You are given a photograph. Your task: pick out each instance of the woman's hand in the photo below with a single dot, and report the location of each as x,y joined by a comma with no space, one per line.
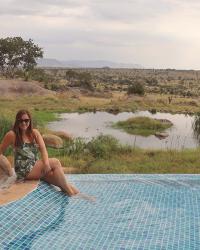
46,170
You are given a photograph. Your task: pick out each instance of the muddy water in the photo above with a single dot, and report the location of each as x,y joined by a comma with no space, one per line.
88,125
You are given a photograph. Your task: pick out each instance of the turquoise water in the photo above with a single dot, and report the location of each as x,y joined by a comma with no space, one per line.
131,212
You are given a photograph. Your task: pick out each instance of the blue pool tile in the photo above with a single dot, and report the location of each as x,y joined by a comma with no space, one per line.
131,212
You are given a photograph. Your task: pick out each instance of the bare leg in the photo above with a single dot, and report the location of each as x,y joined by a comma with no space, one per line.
55,176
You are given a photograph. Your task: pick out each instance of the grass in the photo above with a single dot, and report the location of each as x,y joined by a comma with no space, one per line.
144,126
105,155
70,103
41,118
111,157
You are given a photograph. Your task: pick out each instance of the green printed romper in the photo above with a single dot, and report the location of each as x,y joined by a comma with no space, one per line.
25,157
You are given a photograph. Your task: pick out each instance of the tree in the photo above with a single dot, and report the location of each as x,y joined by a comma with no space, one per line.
136,88
31,52
85,79
71,74
16,53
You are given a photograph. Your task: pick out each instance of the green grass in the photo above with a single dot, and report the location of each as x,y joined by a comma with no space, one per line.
144,126
68,103
105,155
41,118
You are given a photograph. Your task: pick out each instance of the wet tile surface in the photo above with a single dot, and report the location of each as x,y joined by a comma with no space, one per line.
131,212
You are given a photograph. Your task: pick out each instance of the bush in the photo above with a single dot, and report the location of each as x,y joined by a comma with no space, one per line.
75,147
71,74
40,75
103,146
136,88
85,81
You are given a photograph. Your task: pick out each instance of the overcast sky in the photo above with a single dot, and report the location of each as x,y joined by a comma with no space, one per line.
152,33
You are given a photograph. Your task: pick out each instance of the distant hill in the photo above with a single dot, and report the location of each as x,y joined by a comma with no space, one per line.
48,62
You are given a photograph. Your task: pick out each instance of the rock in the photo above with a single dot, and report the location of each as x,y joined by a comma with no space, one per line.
16,87
62,135
53,141
161,135
113,110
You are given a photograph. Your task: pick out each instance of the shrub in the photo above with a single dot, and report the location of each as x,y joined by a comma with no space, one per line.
40,75
74,147
103,146
136,88
85,81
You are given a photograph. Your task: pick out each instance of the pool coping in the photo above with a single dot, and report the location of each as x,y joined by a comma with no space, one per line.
17,191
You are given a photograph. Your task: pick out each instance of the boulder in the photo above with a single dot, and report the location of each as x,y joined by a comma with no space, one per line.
53,141
161,135
62,135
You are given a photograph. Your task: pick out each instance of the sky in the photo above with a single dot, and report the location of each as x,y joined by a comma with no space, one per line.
152,33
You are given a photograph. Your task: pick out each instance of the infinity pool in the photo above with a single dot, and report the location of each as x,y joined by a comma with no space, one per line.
131,212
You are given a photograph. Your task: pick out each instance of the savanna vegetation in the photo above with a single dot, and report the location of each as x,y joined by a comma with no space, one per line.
112,90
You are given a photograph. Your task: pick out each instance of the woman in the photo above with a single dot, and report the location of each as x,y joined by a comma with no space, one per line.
25,141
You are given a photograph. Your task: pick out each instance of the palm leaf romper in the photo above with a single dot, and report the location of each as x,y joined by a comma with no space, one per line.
25,157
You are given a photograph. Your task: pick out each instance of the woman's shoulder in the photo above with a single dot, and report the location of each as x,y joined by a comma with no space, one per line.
36,132
10,135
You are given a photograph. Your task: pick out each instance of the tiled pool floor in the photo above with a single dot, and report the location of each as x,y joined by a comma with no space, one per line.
131,212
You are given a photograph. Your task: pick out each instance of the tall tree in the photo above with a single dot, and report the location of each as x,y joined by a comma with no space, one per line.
16,53
30,53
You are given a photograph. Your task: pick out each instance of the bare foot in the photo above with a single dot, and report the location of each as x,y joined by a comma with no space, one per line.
85,197
70,192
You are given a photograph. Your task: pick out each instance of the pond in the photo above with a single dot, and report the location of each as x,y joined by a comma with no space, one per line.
87,125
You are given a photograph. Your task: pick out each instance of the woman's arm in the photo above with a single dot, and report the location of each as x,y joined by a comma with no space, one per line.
43,150
8,140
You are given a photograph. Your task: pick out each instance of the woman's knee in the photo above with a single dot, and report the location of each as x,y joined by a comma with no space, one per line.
54,163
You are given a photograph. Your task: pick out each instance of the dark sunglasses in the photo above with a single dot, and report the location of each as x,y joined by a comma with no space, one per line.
24,120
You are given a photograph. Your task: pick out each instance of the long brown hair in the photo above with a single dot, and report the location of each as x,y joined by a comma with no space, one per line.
17,130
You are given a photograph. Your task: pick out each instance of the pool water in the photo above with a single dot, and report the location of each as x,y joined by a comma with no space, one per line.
132,211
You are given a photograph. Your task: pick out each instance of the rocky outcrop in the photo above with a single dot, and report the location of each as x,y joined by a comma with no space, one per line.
53,141
19,88
62,135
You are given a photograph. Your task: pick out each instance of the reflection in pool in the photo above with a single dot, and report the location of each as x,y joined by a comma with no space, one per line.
88,125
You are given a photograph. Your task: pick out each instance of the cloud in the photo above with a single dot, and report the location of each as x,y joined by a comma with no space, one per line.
161,33
35,8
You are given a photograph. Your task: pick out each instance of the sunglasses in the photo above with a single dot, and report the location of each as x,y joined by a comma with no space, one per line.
24,120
